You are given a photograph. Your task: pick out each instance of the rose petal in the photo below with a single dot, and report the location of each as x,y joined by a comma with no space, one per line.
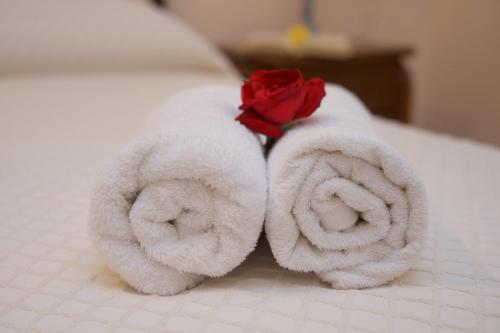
276,95
315,93
246,92
280,77
253,122
257,75
280,108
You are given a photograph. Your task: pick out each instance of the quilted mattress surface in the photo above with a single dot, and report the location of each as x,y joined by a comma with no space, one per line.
56,133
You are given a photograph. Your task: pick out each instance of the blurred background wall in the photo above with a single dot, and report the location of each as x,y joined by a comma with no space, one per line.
455,70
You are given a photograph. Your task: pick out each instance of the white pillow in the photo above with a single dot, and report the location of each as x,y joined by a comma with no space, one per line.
96,35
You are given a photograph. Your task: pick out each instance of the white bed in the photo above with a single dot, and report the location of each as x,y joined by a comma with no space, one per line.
57,128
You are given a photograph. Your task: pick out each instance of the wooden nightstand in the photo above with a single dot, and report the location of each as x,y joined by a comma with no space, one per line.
376,74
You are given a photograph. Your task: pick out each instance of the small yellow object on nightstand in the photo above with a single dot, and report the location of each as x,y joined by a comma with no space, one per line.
299,40
298,34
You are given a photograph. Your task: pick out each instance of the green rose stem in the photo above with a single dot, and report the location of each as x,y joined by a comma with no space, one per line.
271,141
269,145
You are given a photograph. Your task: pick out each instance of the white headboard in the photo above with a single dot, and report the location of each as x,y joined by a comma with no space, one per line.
96,35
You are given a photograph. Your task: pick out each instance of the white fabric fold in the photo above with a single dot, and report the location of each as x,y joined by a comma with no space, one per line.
342,203
186,201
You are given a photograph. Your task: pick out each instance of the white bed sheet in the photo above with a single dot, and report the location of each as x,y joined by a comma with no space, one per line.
55,134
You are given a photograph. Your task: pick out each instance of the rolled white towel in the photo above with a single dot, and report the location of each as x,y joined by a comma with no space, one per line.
185,202
342,203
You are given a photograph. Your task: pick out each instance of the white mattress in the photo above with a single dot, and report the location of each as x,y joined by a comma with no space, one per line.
55,134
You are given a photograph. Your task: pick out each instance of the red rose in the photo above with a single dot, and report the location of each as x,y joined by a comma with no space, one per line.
272,99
